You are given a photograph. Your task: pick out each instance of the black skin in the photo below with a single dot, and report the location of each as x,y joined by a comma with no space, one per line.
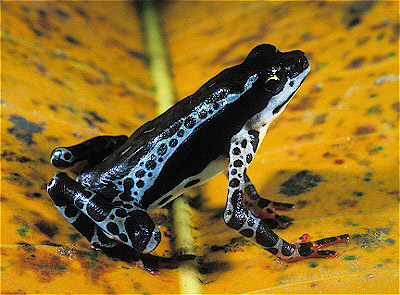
206,145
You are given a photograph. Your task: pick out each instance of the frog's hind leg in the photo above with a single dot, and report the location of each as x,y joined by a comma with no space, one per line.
264,208
92,151
95,235
133,228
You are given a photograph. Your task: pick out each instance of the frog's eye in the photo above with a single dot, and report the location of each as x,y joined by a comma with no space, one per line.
272,84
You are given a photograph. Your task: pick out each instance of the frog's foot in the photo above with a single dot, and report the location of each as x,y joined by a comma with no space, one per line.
304,248
265,210
87,153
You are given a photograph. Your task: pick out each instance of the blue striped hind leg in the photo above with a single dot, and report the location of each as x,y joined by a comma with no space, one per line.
94,234
133,228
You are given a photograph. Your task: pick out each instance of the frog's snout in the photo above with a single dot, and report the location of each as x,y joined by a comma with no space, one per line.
302,61
305,61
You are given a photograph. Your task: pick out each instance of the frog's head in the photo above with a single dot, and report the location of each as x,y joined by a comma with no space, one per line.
276,76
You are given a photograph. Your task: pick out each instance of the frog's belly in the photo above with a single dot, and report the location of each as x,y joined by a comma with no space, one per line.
211,170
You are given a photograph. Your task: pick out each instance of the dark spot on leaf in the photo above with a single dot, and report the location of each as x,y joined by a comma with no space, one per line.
354,11
34,195
23,129
62,13
72,40
300,183
140,56
96,117
356,63
48,229
365,129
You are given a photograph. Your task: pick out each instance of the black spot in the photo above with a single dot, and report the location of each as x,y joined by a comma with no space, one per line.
67,156
215,106
79,203
304,250
250,221
127,206
189,122
236,151
265,237
238,163
165,200
249,158
126,194
234,183
140,173
112,228
244,143
120,213
160,159
48,229
117,203
162,149
151,164
70,211
149,174
123,237
233,171
247,232
254,135
173,142
192,182
172,130
140,183
202,114
180,133
291,83
112,216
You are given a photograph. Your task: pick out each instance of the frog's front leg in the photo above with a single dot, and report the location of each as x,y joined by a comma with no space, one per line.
132,227
93,150
236,216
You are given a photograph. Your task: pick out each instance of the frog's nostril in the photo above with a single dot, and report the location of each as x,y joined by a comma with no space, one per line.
305,61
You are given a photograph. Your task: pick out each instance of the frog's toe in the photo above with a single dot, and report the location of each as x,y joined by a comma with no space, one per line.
281,206
326,242
305,249
279,222
62,158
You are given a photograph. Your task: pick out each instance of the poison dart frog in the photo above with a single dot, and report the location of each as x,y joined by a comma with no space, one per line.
218,128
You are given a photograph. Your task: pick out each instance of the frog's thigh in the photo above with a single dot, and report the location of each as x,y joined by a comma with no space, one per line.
134,228
236,215
93,150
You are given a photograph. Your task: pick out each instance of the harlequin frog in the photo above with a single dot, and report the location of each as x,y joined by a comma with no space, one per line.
219,127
